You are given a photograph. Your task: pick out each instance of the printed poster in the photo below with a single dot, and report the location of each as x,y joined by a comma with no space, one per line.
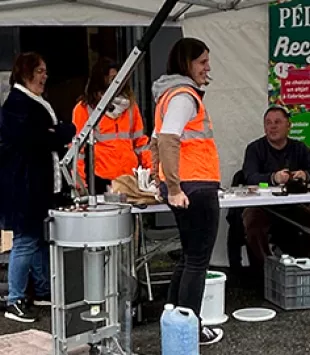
289,62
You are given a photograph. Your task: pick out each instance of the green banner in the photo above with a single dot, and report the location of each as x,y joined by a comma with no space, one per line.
289,62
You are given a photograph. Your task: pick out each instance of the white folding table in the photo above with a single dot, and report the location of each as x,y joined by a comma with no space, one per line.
230,201
227,200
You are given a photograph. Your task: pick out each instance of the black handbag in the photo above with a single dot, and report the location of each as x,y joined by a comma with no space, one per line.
296,186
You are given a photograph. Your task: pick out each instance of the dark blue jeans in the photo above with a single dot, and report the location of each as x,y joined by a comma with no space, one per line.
29,256
198,226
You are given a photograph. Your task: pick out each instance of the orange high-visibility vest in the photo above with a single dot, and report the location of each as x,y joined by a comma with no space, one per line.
199,160
121,144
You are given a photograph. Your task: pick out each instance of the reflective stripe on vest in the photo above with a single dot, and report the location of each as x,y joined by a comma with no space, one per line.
102,137
142,149
137,134
206,132
199,159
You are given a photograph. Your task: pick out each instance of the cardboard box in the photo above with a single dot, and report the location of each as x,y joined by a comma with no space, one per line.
6,241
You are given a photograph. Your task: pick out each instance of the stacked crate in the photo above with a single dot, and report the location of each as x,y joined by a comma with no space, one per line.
287,284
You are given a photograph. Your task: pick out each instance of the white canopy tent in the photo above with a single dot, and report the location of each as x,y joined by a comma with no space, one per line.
108,12
236,32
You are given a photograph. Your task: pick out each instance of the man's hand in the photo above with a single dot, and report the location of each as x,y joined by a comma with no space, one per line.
299,174
179,201
282,176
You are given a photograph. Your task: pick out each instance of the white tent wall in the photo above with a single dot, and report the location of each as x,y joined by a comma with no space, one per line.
105,12
237,97
69,14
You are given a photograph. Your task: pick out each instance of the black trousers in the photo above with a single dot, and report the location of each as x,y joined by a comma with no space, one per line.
198,226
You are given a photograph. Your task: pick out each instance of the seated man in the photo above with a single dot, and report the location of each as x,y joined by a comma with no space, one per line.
272,159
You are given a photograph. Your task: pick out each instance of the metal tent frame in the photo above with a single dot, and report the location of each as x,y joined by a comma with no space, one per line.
186,8
69,162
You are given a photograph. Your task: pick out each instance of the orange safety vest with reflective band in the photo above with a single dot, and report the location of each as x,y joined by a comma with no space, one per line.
199,160
121,144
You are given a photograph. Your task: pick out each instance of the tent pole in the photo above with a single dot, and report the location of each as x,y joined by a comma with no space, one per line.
121,78
252,3
207,3
181,12
156,24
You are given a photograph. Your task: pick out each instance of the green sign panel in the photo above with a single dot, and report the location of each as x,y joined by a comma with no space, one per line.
289,62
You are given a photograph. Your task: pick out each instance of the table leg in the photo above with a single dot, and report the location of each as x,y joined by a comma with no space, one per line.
144,252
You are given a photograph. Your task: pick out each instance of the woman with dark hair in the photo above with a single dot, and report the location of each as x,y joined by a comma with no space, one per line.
121,144
186,165
31,138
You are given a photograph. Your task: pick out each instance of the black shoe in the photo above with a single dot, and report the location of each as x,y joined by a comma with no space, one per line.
19,312
210,336
42,301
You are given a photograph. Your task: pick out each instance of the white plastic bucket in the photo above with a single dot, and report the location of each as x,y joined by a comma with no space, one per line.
213,302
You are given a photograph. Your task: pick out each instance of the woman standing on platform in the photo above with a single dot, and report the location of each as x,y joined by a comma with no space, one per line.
186,164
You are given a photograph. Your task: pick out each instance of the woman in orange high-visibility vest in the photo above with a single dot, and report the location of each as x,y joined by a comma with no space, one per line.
121,144
186,165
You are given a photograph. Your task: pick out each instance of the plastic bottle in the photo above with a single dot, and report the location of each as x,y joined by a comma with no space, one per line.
286,259
165,324
179,331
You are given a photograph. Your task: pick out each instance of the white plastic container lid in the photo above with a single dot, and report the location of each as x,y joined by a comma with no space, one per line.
265,191
169,307
254,314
